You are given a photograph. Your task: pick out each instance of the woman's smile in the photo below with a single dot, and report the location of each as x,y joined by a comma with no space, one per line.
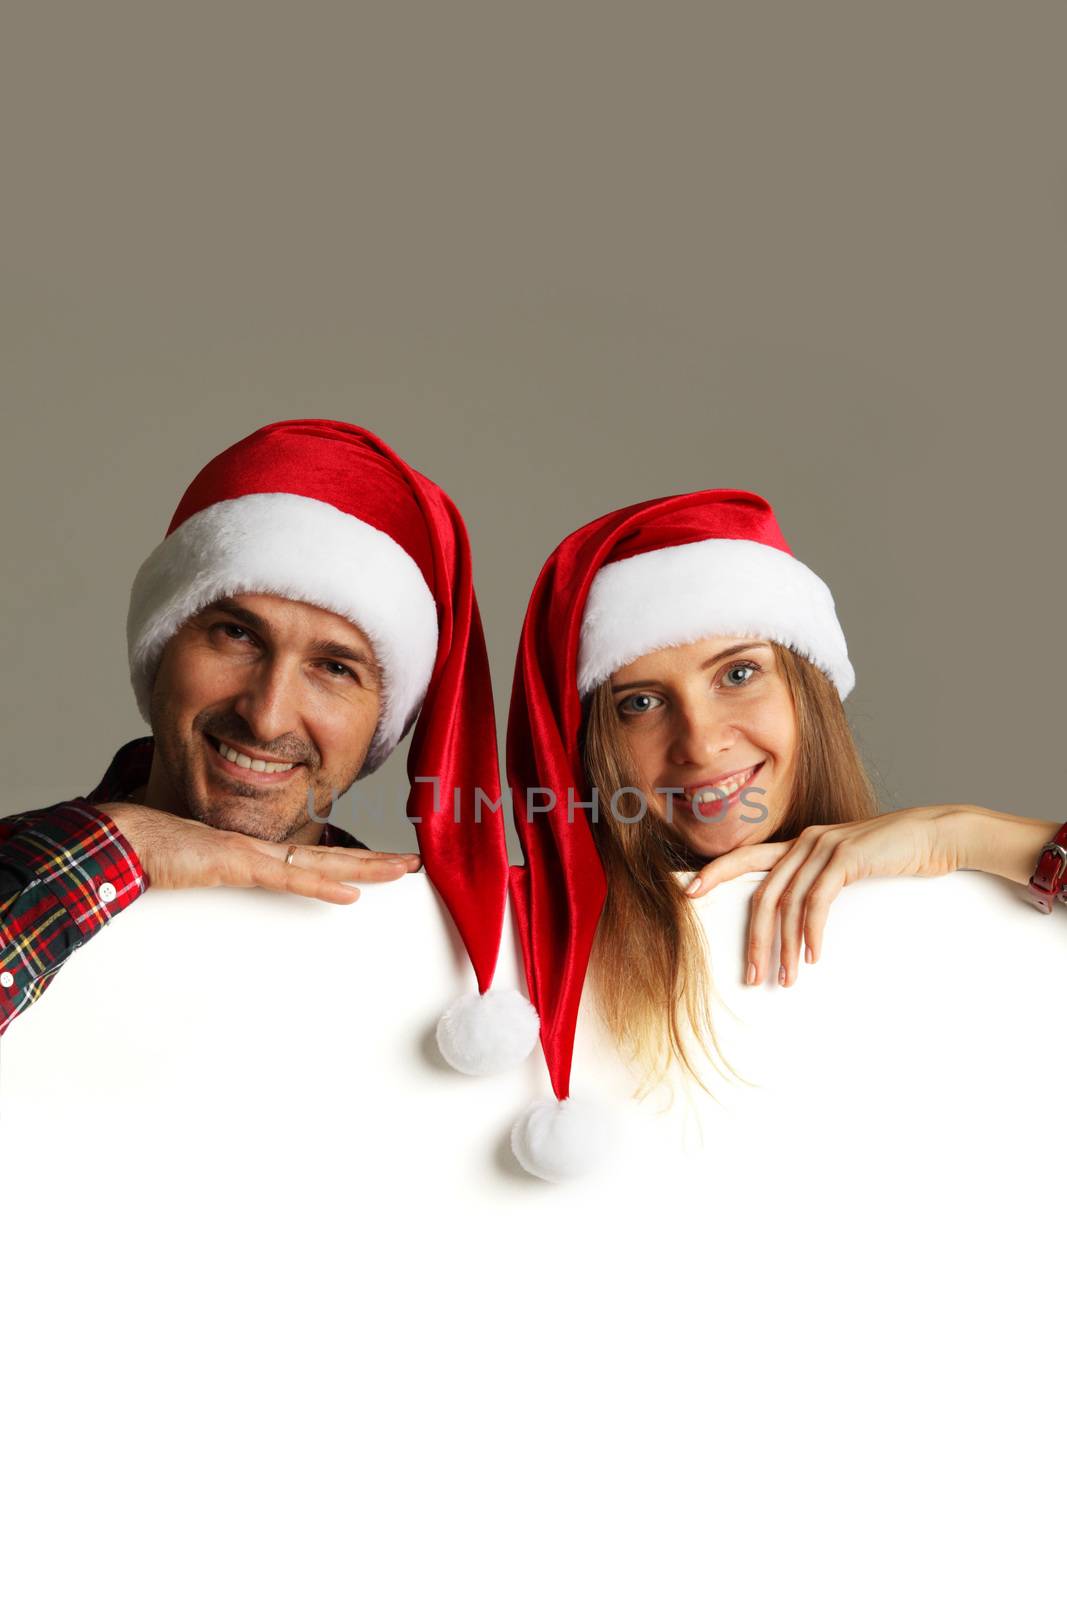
710,799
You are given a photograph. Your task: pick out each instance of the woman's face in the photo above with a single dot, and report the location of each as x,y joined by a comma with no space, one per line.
715,715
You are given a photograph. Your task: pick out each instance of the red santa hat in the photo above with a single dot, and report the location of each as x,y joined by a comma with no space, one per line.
663,572
326,513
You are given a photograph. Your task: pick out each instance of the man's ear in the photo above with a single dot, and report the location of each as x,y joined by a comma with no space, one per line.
153,702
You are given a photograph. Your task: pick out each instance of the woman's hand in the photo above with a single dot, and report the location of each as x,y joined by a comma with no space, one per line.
808,873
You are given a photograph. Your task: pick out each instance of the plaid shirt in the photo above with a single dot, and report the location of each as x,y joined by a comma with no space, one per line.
64,873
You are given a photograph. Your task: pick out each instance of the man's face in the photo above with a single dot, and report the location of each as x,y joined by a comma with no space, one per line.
273,679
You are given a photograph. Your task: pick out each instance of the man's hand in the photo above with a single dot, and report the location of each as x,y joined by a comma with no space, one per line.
177,853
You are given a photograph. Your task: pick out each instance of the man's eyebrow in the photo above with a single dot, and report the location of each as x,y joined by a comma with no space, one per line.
323,647
734,650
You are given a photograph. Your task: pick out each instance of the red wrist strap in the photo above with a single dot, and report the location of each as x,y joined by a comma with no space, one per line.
1049,881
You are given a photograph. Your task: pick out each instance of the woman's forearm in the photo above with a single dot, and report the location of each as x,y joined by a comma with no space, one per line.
996,841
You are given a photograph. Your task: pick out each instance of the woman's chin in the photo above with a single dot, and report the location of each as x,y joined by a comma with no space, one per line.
702,840
717,838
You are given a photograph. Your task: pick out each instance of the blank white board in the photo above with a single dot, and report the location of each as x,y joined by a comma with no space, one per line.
282,1317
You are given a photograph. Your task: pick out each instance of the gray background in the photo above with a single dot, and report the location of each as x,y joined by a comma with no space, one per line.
562,258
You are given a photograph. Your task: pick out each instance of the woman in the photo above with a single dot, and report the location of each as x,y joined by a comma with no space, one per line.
679,691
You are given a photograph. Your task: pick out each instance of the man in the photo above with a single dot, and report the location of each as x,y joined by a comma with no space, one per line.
310,603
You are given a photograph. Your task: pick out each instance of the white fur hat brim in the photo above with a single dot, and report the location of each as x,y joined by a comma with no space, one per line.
300,549
687,592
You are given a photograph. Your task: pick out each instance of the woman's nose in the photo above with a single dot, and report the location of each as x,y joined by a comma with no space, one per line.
698,736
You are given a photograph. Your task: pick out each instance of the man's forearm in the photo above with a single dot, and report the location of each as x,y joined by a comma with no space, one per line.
64,873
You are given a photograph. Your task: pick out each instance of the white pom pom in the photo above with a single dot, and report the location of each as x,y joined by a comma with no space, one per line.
556,1139
483,1033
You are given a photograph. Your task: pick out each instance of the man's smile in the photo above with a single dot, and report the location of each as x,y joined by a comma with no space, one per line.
233,763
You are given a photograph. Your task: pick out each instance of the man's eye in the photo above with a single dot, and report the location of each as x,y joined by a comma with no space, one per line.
345,670
234,627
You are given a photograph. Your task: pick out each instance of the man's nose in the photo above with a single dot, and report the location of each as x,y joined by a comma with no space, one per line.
269,701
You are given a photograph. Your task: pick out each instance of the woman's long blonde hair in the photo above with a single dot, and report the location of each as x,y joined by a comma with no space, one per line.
649,962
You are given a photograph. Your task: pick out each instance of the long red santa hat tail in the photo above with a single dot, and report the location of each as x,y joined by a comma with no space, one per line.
662,572
327,513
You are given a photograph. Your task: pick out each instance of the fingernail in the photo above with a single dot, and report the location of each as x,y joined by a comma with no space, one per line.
693,887
781,974
750,976
808,955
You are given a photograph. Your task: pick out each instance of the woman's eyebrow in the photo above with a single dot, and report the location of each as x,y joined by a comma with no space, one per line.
733,650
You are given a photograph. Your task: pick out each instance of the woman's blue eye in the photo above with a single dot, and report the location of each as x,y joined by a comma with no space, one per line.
629,700
631,706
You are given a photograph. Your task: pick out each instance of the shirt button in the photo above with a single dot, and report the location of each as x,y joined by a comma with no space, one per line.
6,979
107,892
